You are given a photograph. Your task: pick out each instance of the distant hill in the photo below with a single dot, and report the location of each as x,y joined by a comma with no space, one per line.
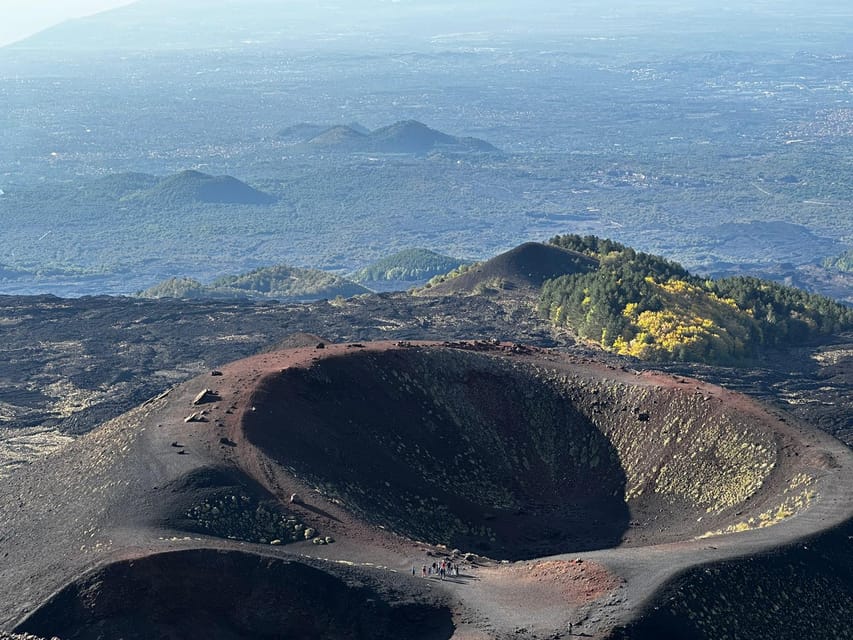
278,282
341,138
406,136
410,265
300,132
525,268
193,187
411,136
305,131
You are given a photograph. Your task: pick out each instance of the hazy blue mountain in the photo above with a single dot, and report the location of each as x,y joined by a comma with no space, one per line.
411,136
191,187
341,138
406,136
373,24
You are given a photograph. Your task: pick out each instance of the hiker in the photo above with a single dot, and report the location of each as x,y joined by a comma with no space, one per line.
423,571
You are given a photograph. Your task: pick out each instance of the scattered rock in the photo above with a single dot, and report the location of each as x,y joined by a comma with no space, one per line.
227,442
204,396
215,373
195,417
309,533
295,498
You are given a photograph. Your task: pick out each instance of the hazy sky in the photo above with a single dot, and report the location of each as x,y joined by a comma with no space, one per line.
20,18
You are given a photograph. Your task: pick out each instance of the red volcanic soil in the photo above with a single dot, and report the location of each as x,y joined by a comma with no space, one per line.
400,456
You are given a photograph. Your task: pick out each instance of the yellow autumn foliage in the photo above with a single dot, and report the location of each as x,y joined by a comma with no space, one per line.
692,321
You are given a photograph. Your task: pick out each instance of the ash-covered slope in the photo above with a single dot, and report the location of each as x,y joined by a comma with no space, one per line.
525,267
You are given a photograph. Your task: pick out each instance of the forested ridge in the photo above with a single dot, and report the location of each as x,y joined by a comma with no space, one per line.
408,264
279,282
646,306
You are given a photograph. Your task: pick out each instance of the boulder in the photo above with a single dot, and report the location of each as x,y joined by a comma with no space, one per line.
204,396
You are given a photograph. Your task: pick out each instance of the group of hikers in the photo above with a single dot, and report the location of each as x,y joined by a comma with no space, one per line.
444,569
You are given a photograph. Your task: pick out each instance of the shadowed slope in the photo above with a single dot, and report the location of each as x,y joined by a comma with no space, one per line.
525,267
449,448
230,595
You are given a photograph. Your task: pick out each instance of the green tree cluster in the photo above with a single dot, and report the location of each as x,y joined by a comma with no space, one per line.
408,264
644,305
842,262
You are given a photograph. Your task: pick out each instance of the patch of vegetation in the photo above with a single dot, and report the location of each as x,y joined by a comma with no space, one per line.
843,262
646,306
278,282
450,275
408,264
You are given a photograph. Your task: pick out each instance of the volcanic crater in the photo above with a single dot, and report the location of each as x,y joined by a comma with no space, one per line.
303,492
516,460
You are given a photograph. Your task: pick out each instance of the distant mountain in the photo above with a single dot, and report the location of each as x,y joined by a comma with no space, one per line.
385,24
279,282
304,131
406,136
193,187
525,267
409,265
333,24
411,136
341,138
